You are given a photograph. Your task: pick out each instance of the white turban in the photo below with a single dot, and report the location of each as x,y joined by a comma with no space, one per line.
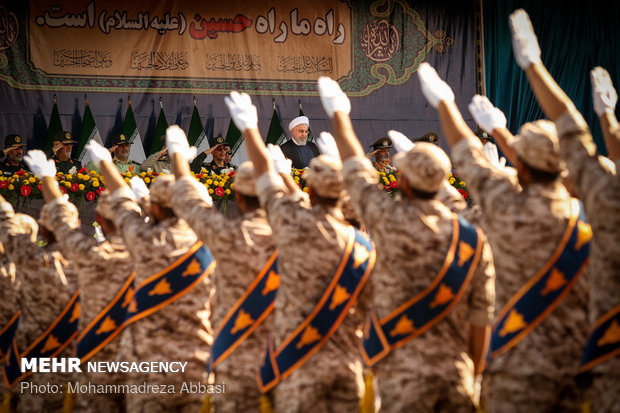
300,120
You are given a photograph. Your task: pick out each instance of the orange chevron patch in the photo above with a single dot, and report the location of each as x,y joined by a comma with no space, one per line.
310,335
242,321
584,234
611,335
193,268
360,255
556,280
444,295
273,282
50,344
75,315
465,252
133,306
340,296
514,323
162,288
128,297
403,326
107,326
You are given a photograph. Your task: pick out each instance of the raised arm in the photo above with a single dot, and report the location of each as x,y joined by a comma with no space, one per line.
604,99
102,159
46,170
283,167
492,120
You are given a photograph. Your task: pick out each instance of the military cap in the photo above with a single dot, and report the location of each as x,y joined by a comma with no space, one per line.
217,140
13,141
425,166
537,145
382,143
63,137
325,176
121,138
431,137
245,181
161,190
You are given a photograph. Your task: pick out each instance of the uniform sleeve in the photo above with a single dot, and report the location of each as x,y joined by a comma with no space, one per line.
62,218
370,201
17,245
482,296
150,162
187,203
196,164
129,222
280,207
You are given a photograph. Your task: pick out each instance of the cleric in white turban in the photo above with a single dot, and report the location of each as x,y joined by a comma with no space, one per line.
298,149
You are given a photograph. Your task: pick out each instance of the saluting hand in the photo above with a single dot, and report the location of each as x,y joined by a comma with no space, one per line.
176,142
524,40
327,145
39,164
604,96
332,97
400,141
242,110
433,88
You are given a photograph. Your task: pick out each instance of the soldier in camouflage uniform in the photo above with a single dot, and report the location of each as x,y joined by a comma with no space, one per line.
525,224
45,284
102,269
435,371
241,246
180,331
8,302
598,189
310,243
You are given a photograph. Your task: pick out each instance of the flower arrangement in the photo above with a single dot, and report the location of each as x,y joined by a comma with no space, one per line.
82,186
220,186
298,177
389,181
20,187
455,180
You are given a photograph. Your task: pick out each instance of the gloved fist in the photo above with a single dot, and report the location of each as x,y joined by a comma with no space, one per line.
332,97
401,142
98,153
486,115
524,40
282,165
604,96
327,145
139,188
39,164
433,88
242,110
176,141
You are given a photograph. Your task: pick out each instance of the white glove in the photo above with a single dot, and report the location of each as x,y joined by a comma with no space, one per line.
524,40
204,193
434,89
604,96
282,165
98,153
332,97
242,110
176,141
39,164
327,145
138,187
486,115
401,142
490,150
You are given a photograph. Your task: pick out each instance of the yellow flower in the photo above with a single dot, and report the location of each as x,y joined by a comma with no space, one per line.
462,183
81,186
306,189
387,182
67,185
11,187
69,176
142,174
210,190
227,191
215,183
232,185
126,179
95,183
86,177
451,180
32,180
25,182
209,181
296,179
392,179
147,180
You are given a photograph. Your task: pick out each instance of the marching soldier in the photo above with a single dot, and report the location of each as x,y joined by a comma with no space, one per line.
600,193
531,228
169,308
244,250
425,363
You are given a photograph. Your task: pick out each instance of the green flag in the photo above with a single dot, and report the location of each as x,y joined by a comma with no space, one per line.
160,131
234,137
53,128
130,129
196,133
89,131
276,134
301,113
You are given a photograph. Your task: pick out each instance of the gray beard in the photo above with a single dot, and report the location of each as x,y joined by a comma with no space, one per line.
300,142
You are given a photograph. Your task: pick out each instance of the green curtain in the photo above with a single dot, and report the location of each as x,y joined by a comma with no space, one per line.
573,36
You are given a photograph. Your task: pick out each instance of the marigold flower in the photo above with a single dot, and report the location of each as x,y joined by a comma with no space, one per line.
227,191
216,183
68,177
306,189
11,187
462,183
210,191
95,183
32,180
25,182
209,182
147,180
81,186
126,179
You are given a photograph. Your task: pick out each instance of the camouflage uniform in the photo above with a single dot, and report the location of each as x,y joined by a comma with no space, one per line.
310,243
180,331
102,269
600,194
524,227
42,295
432,372
241,248
8,300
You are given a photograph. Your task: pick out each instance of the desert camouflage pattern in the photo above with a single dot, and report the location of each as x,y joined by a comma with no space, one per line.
102,269
310,243
600,193
181,331
434,370
524,228
241,247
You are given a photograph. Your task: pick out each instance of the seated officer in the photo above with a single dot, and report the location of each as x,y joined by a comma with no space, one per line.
381,152
120,149
219,149
13,152
62,148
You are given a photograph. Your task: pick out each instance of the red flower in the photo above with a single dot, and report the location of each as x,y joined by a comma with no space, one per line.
394,184
4,184
464,193
81,171
199,176
75,187
99,190
63,190
40,187
20,173
90,195
219,191
232,173
26,190
387,188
